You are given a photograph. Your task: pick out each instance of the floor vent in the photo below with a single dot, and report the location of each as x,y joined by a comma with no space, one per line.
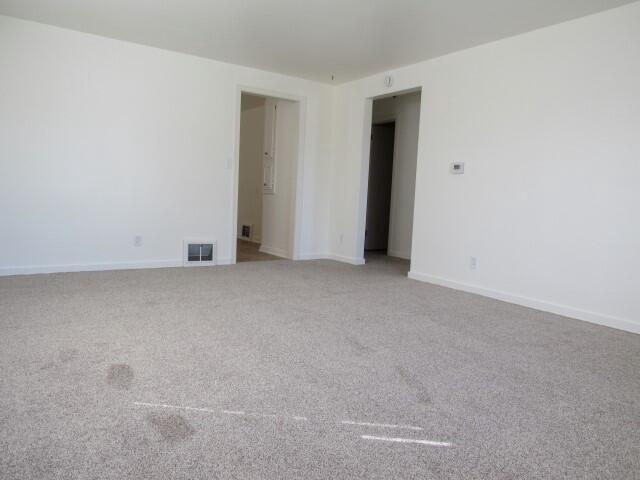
246,232
199,253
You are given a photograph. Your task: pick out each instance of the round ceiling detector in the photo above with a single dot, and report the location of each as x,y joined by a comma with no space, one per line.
388,81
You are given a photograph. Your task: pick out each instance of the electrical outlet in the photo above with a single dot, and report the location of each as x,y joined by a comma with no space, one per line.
473,263
137,241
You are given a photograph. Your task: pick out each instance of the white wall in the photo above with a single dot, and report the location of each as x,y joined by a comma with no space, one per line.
278,208
405,110
252,124
102,140
548,124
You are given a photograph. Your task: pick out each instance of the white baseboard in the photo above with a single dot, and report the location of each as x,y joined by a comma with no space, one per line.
311,256
564,310
345,259
330,256
88,267
97,267
403,255
278,252
251,240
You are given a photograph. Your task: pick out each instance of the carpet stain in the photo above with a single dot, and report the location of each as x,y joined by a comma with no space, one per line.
420,393
359,347
120,375
405,375
48,366
67,355
424,398
64,356
171,427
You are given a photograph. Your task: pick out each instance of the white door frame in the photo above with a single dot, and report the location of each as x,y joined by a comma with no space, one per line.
296,214
364,169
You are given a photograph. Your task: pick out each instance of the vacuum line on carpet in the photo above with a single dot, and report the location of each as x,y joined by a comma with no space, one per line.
431,443
380,425
296,418
164,405
226,412
263,415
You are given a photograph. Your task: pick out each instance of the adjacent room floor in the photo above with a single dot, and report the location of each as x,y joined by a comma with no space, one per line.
308,370
250,252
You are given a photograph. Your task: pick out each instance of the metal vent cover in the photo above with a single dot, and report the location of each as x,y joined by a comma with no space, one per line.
199,252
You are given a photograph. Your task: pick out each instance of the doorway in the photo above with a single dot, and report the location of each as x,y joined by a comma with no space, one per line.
376,236
390,195
268,152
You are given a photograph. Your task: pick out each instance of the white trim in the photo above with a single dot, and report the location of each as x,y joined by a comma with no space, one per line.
88,267
564,310
278,252
403,255
107,266
96,267
298,201
363,187
344,259
330,256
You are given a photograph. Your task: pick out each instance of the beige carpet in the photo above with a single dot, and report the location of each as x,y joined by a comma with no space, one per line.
304,370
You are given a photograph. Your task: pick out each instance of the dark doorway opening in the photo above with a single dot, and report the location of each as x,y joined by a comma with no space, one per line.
379,191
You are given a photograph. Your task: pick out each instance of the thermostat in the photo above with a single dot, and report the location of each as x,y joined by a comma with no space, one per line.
457,168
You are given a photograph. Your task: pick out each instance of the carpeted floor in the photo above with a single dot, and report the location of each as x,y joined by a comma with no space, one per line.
306,370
